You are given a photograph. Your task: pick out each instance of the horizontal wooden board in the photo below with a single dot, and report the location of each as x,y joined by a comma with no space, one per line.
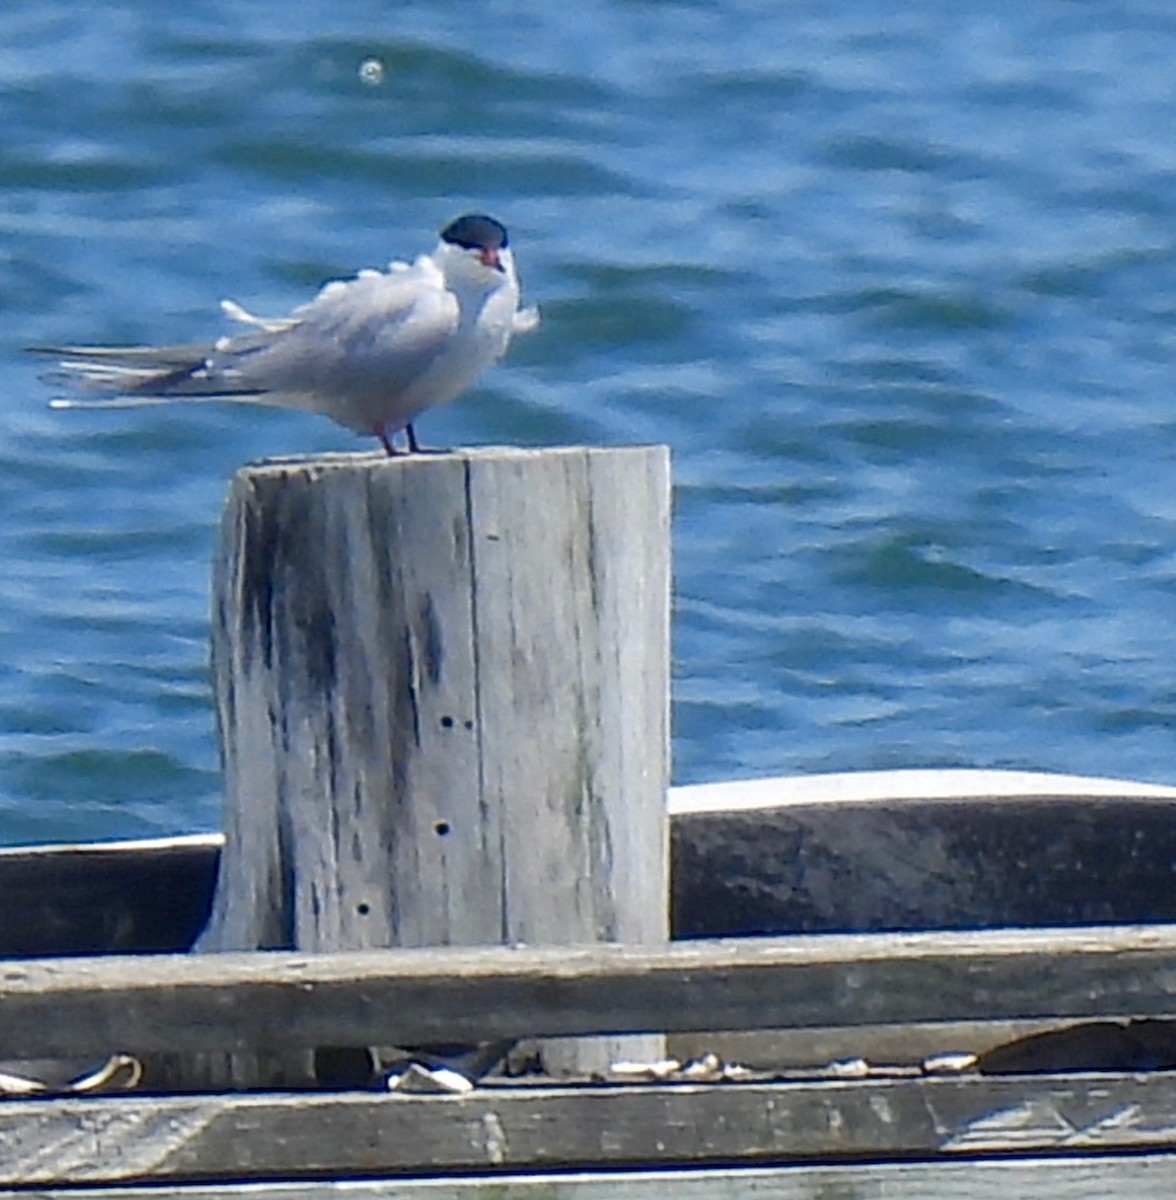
237,1002
295,1136
1147,1177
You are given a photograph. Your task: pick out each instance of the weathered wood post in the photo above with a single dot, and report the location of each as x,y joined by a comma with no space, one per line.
442,692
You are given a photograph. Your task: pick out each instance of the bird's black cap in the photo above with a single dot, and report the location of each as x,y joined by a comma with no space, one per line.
475,231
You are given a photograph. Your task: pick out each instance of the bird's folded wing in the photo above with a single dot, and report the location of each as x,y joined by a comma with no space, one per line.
378,329
374,332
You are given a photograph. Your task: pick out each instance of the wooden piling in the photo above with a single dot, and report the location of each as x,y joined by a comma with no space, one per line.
442,693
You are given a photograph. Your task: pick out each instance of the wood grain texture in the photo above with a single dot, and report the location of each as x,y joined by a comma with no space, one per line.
574,685
442,690
334,612
63,1007
571,596
275,1136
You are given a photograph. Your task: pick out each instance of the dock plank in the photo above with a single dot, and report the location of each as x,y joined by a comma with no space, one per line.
1147,1177
275,1000
291,1136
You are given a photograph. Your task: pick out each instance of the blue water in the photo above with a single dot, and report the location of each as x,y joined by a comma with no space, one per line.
897,284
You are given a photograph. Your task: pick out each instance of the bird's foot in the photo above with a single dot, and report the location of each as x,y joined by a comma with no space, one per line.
387,440
414,447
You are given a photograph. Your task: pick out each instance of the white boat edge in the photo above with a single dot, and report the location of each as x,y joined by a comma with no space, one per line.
193,841
871,787
777,791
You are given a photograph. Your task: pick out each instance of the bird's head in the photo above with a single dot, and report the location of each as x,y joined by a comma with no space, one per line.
474,250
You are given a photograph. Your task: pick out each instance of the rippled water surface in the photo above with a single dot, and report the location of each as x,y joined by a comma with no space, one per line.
896,286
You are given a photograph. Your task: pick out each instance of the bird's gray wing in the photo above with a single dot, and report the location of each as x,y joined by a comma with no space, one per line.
373,333
360,341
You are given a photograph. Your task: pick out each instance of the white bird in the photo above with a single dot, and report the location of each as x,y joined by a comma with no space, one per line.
371,352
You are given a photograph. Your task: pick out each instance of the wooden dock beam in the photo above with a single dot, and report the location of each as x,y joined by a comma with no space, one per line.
76,1006
442,694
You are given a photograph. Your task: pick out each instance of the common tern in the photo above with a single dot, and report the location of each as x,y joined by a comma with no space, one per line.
371,352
